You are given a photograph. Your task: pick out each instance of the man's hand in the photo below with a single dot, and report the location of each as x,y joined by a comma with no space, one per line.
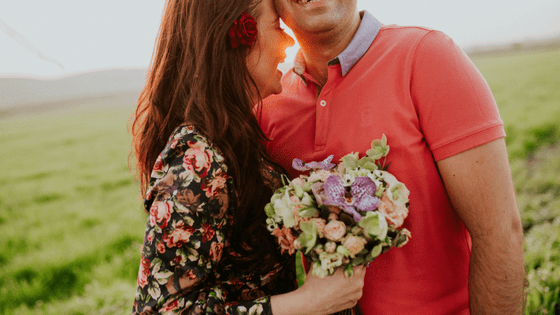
479,183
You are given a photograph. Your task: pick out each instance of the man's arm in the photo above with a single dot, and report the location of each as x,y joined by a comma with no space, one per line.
479,184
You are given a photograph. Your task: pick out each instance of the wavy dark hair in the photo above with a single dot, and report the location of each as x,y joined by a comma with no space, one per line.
197,77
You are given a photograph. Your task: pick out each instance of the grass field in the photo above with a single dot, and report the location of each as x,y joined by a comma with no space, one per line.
72,226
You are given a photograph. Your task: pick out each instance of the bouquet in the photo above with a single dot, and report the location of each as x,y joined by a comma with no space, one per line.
341,215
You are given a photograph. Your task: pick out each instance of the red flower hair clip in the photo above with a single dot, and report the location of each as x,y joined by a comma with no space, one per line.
243,31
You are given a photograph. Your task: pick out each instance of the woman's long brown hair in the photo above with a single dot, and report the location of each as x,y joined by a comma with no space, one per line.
196,77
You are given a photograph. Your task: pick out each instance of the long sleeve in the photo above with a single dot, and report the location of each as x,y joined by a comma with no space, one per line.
189,213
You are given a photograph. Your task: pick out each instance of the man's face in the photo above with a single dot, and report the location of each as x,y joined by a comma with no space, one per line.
309,17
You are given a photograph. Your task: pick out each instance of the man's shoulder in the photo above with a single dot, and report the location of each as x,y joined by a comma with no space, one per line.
407,38
405,30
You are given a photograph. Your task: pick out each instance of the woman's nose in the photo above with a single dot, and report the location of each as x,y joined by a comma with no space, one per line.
289,42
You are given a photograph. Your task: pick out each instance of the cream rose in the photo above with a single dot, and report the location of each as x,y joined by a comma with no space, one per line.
330,247
398,193
335,230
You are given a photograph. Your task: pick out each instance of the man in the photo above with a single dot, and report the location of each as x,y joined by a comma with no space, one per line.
355,80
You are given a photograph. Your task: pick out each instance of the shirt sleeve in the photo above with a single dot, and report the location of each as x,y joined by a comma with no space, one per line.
455,106
185,235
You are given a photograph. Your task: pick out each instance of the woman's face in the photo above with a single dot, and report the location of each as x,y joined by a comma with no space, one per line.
268,51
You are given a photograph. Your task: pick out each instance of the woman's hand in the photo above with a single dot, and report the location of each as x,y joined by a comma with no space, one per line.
322,295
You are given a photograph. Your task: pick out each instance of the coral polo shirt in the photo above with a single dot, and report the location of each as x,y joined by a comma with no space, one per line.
419,89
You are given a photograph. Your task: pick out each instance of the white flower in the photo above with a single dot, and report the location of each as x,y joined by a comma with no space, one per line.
398,193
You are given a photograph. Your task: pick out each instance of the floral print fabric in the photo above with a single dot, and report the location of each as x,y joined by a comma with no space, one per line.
185,265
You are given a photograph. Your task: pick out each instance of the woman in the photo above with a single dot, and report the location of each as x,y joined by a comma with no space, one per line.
204,173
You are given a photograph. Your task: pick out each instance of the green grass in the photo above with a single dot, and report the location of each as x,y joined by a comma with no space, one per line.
72,226
70,212
525,86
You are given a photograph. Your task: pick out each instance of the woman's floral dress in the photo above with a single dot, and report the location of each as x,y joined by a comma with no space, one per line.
184,267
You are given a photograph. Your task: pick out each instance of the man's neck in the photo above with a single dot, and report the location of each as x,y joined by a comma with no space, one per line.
318,50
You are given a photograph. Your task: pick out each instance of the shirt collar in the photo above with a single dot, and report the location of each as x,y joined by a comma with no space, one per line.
365,35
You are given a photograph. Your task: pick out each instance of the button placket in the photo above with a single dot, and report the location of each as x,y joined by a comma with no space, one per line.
322,118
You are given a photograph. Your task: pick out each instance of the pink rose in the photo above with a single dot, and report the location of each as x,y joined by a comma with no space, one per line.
354,245
207,232
160,213
197,158
170,306
216,250
216,185
395,214
158,166
335,230
160,247
320,224
179,236
143,272
150,236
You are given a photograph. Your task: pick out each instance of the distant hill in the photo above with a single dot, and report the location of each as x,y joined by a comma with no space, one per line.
15,92
516,46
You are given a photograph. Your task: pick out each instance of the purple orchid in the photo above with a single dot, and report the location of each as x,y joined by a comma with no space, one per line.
361,192
326,164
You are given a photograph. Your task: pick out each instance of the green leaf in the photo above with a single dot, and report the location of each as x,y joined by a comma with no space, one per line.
379,191
308,236
298,191
358,260
374,153
375,251
349,271
269,210
308,212
366,159
350,162
342,251
370,166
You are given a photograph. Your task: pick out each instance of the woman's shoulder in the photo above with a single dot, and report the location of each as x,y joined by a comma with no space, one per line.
188,160
187,137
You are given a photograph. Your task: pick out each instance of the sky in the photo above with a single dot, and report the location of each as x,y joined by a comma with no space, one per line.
57,38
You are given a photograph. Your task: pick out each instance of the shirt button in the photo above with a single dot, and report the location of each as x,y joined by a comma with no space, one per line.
323,103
